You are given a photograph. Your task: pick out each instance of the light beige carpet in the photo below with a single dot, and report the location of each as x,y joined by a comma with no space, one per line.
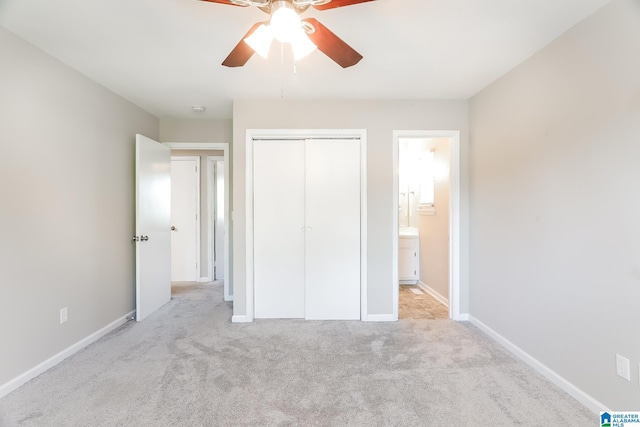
187,365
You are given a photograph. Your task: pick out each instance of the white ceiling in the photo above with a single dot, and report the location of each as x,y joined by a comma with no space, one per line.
165,55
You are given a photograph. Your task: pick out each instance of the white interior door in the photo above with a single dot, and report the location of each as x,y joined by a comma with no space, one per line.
185,190
219,220
153,222
332,252
278,205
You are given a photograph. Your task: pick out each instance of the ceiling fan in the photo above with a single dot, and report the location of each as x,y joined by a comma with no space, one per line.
285,25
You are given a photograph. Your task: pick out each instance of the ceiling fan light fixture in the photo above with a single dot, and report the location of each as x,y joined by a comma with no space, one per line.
260,41
301,45
285,21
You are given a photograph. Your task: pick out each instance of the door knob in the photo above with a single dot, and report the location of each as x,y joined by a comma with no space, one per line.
173,228
136,239
144,238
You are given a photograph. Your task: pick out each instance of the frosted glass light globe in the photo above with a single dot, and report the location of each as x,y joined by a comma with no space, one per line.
285,22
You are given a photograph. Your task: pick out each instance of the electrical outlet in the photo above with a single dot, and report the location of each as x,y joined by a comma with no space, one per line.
64,315
622,367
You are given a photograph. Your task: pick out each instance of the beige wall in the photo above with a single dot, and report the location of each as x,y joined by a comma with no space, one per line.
554,173
205,236
66,205
195,130
434,229
379,118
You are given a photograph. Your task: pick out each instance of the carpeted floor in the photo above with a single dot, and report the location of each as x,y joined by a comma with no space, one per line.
187,365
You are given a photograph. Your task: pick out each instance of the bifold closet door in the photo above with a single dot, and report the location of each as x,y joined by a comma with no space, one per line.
278,229
332,247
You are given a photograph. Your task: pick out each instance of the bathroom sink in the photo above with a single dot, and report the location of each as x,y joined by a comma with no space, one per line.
409,231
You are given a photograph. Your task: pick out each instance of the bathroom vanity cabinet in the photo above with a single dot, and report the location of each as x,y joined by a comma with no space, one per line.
409,256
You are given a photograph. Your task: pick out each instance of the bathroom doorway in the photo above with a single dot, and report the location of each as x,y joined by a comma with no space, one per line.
426,218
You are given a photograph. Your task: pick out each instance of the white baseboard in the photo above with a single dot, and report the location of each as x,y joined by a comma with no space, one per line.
380,318
547,372
433,293
54,360
236,318
204,280
463,317
228,298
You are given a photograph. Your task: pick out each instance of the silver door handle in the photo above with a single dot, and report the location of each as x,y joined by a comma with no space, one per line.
173,228
144,238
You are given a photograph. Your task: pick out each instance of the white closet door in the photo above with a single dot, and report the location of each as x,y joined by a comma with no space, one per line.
332,262
278,204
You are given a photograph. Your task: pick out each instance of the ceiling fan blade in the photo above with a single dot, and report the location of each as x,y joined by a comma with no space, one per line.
224,2
339,3
242,52
331,45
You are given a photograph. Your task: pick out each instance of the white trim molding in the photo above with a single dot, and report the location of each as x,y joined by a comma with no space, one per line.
69,351
428,289
454,215
257,134
380,318
240,318
543,369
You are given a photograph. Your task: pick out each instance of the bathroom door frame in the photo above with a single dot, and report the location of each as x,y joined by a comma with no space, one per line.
454,214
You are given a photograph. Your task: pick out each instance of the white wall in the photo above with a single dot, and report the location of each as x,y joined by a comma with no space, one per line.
554,204
66,205
379,118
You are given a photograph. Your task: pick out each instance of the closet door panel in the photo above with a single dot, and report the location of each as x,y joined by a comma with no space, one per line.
332,262
278,184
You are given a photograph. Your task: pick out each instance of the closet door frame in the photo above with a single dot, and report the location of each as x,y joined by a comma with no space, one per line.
275,134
